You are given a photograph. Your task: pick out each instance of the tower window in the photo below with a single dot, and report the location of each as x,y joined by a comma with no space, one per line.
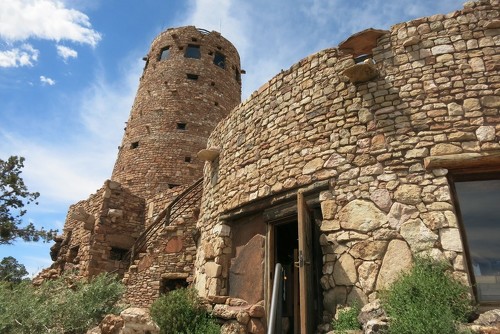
220,60
192,76
165,53
172,185
187,159
134,145
193,51
237,75
181,126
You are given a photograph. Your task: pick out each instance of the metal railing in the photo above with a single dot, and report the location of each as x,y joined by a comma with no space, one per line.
183,202
276,311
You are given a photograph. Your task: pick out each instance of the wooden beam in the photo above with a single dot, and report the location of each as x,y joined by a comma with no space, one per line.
465,161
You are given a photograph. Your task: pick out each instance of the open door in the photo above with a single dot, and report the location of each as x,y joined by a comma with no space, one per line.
304,263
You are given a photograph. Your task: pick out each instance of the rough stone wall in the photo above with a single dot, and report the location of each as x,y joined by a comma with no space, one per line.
155,153
437,95
110,218
169,256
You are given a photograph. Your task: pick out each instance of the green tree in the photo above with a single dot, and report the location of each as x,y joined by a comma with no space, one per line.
14,195
11,270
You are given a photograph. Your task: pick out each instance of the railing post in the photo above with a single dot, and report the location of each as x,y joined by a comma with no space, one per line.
275,314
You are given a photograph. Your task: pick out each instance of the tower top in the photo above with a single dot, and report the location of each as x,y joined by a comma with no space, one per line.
191,81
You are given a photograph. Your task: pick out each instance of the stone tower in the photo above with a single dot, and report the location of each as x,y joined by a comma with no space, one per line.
191,81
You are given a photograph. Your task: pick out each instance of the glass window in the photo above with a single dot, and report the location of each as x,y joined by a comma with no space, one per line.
479,202
193,51
220,60
165,53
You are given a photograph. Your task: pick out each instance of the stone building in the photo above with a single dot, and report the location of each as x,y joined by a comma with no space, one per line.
342,169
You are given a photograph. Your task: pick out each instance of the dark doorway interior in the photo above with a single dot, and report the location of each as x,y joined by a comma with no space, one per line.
286,243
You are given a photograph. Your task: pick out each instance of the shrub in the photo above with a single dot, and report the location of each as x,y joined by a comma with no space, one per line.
180,312
347,319
55,307
426,300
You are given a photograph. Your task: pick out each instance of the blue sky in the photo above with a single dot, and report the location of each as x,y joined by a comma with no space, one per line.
69,70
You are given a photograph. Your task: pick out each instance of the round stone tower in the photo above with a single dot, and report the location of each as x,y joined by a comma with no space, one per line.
191,81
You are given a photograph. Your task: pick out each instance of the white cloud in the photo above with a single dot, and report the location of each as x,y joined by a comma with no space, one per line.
45,19
47,81
65,52
25,55
71,166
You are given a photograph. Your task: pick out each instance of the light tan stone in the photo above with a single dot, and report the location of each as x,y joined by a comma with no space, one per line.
361,216
450,239
344,271
398,259
368,249
418,236
408,194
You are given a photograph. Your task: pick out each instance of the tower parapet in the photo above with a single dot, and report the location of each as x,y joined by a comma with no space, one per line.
191,81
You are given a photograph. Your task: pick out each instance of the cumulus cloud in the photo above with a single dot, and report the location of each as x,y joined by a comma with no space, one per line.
47,81
64,52
45,19
25,55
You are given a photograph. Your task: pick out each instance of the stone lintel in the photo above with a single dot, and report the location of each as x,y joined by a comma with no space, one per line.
175,275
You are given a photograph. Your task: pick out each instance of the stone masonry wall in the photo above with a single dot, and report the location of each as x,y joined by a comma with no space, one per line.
178,103
112,218
169,256
437,93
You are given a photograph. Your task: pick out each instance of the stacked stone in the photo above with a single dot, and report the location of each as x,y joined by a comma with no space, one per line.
169,256
437,94
179,101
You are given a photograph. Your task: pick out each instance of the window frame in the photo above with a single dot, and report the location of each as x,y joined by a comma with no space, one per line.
189,49
468,175
164,49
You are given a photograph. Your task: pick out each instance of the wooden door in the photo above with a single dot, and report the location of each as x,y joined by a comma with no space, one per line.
305,266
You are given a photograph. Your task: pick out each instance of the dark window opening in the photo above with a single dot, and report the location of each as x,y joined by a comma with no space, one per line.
212,83
165,53
478,200
73,254
220,60
193,51
168,285
362,58
117,254
181,126
187,159
216,103
172,185
237,75
192,76
134,145
194,39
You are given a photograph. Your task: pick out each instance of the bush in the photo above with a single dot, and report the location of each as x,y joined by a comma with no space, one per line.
180,312
347,319
426,300
55,307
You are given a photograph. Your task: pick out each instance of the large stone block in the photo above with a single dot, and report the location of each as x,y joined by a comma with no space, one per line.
418,236
397,260
361,216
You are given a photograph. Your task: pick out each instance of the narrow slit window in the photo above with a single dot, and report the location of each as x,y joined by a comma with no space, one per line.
181,126
165,53
187,159
134,145
220,60
191,76
172,185
193,51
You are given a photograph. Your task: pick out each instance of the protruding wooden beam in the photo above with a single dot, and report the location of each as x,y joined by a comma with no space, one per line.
462,161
